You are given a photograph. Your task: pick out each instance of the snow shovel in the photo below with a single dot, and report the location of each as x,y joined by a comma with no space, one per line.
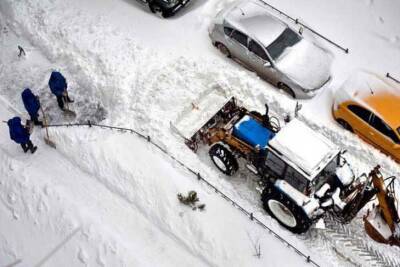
47,138
67,111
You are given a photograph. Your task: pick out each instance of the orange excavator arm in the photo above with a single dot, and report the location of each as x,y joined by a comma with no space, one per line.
380,223
382,195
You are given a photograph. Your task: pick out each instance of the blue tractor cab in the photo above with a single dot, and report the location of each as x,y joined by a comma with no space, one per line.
252,132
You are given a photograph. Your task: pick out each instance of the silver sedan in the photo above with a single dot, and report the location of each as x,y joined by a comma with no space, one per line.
248,32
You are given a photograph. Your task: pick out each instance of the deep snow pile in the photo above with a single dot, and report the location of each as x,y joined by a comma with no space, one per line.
139,71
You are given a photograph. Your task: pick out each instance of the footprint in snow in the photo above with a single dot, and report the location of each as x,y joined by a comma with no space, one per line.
82,256
395,39
370,2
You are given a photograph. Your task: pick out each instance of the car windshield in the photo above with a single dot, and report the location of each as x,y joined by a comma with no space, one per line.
288,38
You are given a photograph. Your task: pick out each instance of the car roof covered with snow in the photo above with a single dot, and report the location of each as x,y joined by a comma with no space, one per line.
306,149
376,93
252,18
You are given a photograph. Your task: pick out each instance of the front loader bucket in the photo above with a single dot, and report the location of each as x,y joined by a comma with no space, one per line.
373,232
378,229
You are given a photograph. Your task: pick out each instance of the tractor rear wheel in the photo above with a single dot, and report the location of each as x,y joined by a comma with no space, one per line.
285,211
223,159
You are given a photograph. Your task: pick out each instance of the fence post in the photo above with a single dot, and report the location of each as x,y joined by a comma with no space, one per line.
148,138
89,123
198,176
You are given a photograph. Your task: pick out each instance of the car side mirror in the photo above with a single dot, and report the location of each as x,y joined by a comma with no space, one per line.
301,30
396,146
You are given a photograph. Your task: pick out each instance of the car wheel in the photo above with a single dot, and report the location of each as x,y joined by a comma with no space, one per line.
223,159
224,50
286,89
345,125
154,8
285,211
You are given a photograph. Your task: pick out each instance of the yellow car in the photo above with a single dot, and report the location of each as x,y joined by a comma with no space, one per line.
369,105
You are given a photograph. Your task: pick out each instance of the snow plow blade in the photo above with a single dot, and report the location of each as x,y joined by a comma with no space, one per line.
201,115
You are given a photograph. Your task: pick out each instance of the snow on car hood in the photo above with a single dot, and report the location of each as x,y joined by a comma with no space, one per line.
307,64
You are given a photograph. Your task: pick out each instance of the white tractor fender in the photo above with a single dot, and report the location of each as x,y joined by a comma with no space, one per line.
336,199
345,174
322,191
309,205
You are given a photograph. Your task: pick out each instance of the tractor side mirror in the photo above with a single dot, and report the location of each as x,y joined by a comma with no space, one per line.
267,64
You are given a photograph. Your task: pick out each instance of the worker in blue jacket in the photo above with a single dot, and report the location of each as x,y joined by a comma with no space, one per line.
58,86
20,134
32,105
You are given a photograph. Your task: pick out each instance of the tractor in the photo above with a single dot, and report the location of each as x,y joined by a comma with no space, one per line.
302,174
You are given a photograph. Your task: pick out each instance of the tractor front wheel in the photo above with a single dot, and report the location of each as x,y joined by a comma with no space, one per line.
223,159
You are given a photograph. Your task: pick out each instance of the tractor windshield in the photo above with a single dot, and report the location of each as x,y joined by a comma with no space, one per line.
331,167
326,173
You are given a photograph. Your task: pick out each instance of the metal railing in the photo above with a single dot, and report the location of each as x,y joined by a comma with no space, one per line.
392,78
297,21
199,177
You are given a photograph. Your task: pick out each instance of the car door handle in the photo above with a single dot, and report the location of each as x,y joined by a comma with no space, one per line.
371,133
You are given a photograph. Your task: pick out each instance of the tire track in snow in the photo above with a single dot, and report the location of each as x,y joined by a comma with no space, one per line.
359,152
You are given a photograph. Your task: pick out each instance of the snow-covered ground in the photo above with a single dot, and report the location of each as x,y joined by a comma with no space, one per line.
109,199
